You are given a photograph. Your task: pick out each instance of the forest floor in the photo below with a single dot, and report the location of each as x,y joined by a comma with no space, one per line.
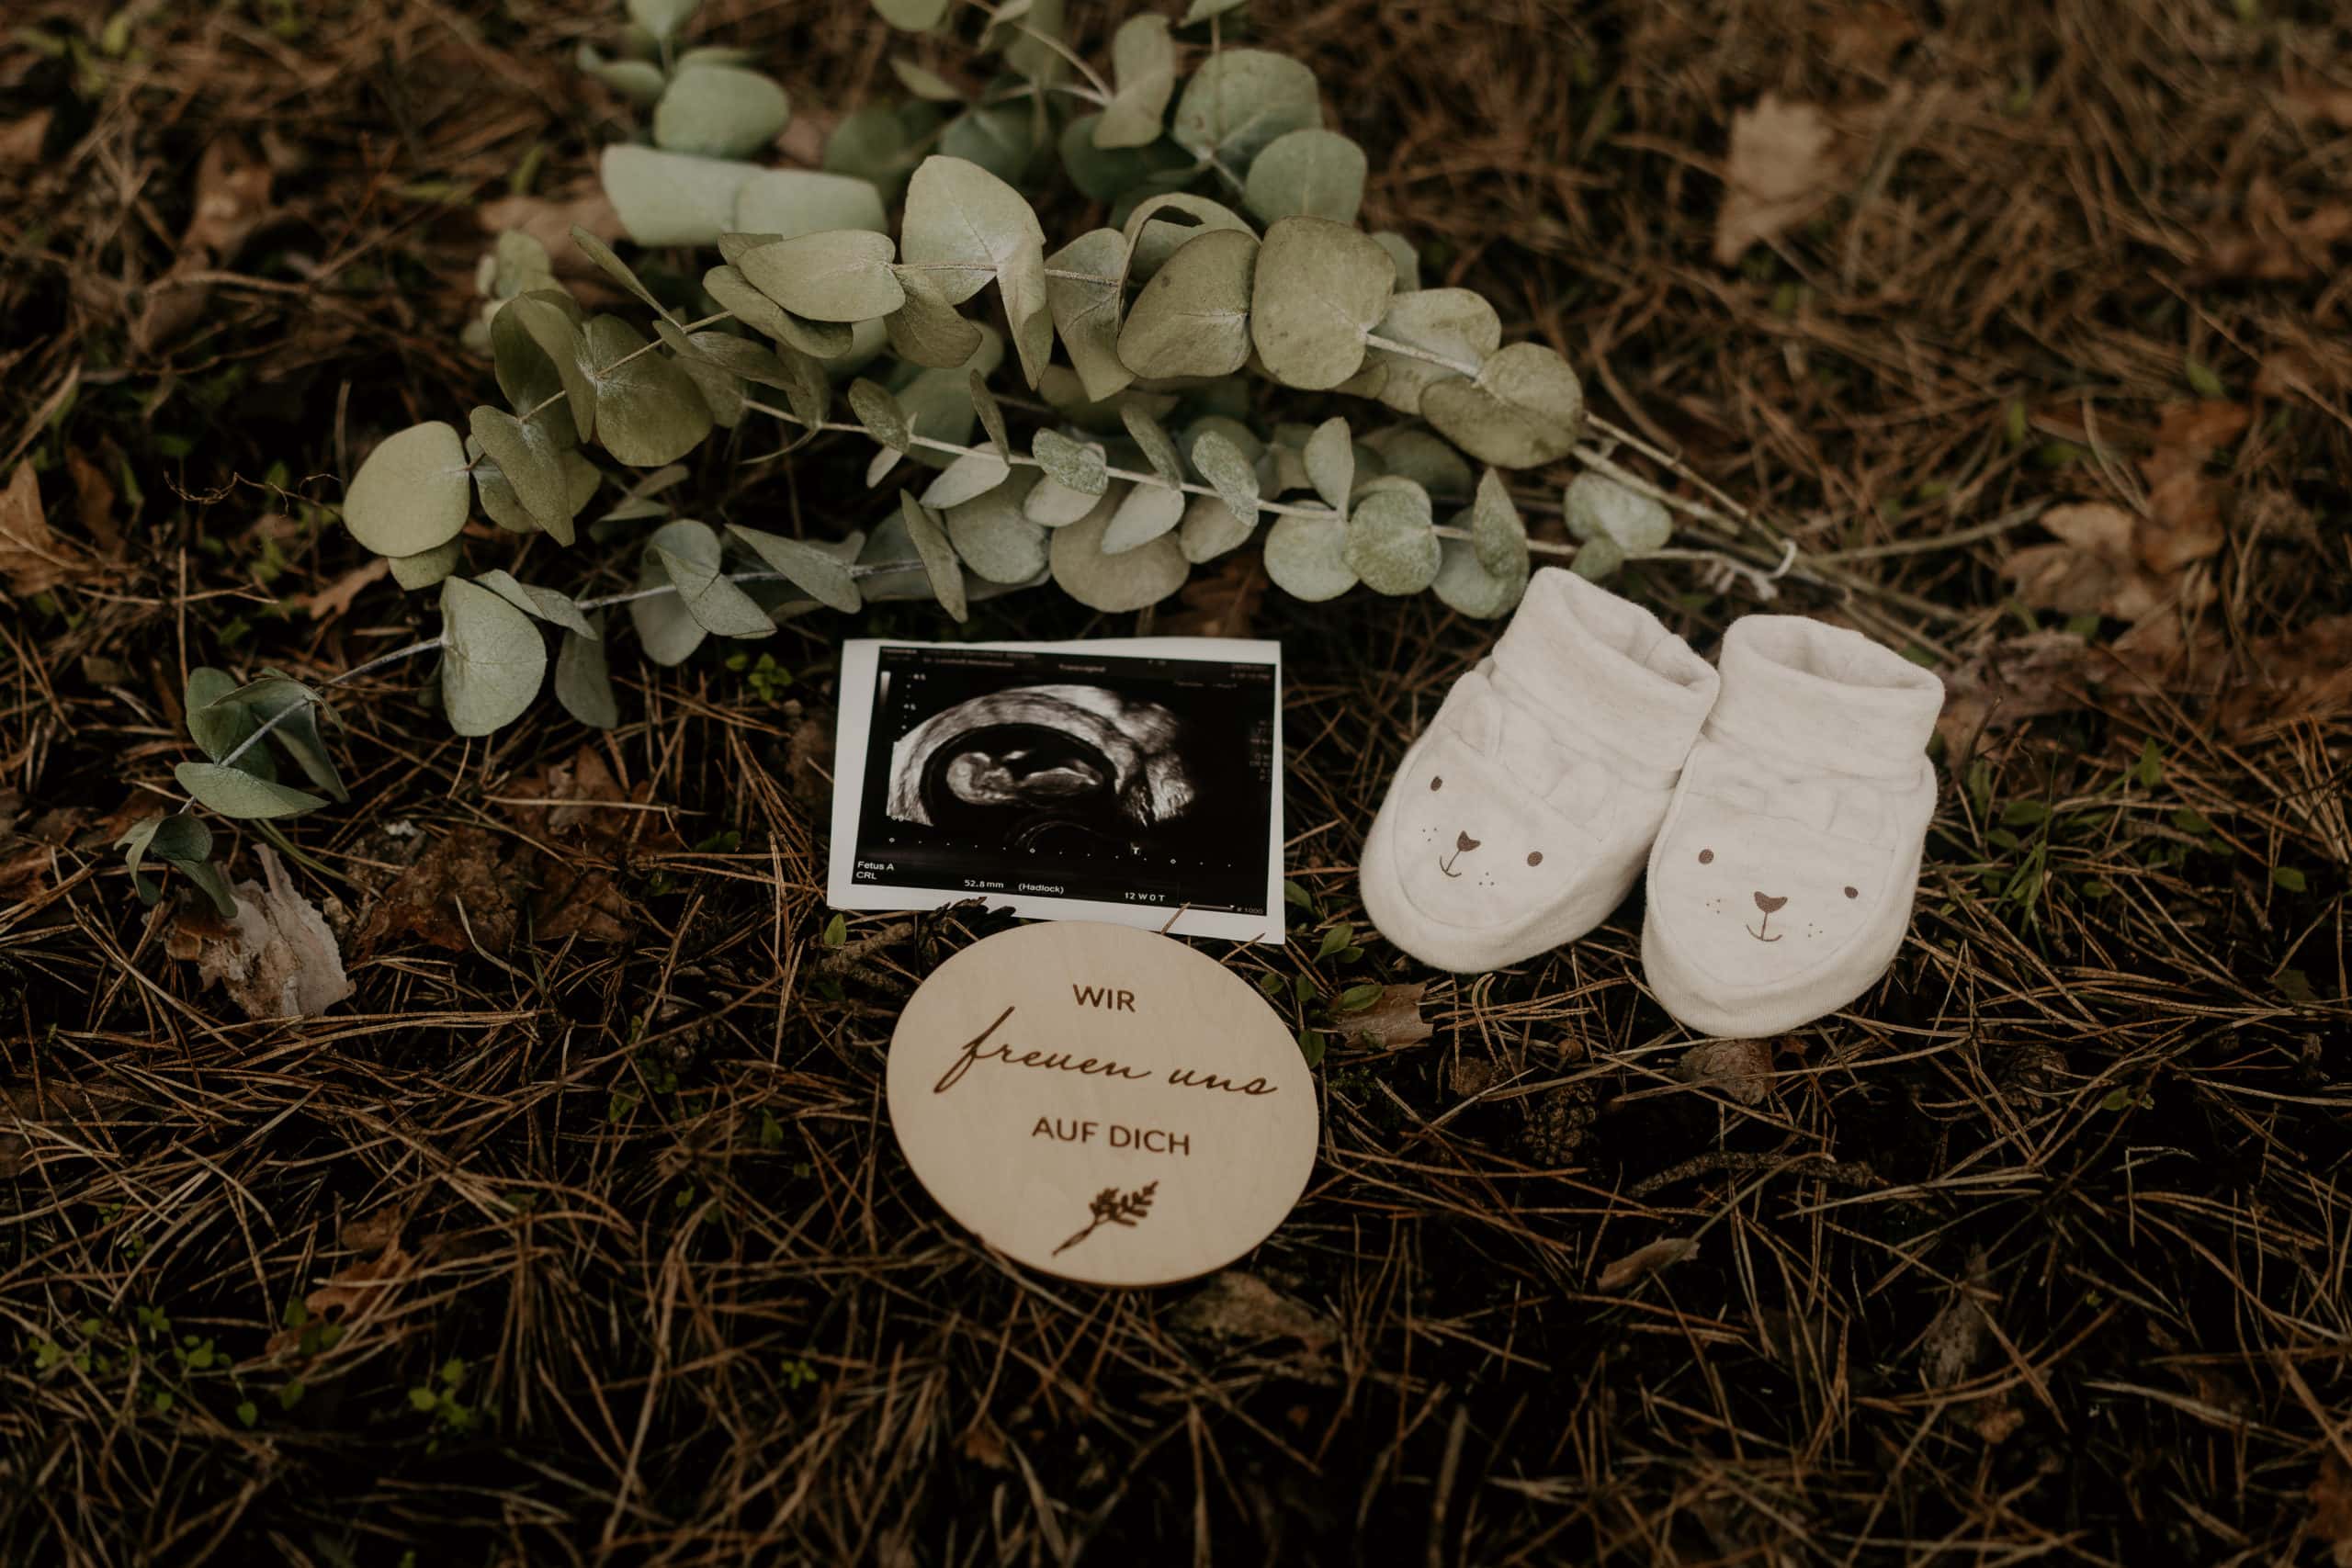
578,1232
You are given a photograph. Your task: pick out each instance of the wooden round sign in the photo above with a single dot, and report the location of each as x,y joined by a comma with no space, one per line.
1102,1103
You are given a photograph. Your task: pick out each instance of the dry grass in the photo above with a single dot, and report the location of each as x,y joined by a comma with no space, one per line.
2039,1252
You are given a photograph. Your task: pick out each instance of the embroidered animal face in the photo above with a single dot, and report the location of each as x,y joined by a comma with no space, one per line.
1753,916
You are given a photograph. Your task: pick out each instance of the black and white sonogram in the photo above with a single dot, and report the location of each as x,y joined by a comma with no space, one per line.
1128,781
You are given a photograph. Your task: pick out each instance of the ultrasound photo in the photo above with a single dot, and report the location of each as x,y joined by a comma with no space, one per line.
1129,781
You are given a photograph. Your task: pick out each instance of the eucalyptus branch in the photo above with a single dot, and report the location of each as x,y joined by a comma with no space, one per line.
290,709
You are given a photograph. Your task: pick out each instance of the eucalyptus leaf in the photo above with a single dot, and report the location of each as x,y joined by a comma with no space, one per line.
288,712
1392,547
609,261
1233,475
1400,250
738,356
648,411
1052,505
1159,448
938,556
527,458
548,604
409,494
183,841
672,198
1241,99
997,542
923,82
969,226
1320,287
1466,585
691,558
823,576
1525,407
1113,173
1307,555
1027,52
239,795
1201,10
1143,67
1414,454
735,295
879,412
662,18
1082,290
1000,138
719,111
840,275
1597,506
926,329
1496,533
880,144
528,377
1192,318
1312,172
1455,325
1331,459
582,683
1599,558
1114,583
991,417
1210,529
642,497
973,474
427,568
638,81
1081,465
553,320
1145,514
788,203
1160,227
912,15
492,658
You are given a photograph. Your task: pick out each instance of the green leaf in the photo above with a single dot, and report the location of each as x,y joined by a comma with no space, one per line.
938,556
735,295
789,203
648,410
1296,894
1079,466
1392,547
1241,99
1085,308
926,329
1455,324
1597,506
923,82
2289,878
2025,814
492,658
719,111
1310,1041
1496,531
879,412
1467,586
1355,999
1144,513
2204,380
1331,458
672,198
261,703
235,793
1119,173
690,557
662,18
427,568
182,841
410,495
1307,555
881,143
1230,472
1272,985
1160,227
2149,771
1320,287
822,577
609,262
1525,407
836,931
582,684
553,321
1308,174
1024,52
969,227
540,604
1192,318
528,459
840,275
1114,583
997,542
528,378
638,81
1143,67
1000,139
1339,936
1600,558
912,15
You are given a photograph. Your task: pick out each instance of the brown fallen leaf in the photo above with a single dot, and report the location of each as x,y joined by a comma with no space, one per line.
33,560
1956,1337
335,598
366,1290
2093,569
1867,39
232,189
1239,1306
2310,100
94,500
1395,1019
467,866
1220,603
21,139
1740,1068
2269,243
1643,1261
1780,168
2184,523
2331,1495
276,959
2009,682
2295,677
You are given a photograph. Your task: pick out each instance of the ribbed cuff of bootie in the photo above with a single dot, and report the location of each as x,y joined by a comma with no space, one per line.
1823,696
1608,667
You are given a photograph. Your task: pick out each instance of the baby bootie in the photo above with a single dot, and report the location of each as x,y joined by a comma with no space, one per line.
1519,819
1780,886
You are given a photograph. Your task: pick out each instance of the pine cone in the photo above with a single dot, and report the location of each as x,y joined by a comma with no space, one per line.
1558,1122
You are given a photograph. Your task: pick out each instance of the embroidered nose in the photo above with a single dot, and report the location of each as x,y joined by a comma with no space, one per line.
1768,904
1465,843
